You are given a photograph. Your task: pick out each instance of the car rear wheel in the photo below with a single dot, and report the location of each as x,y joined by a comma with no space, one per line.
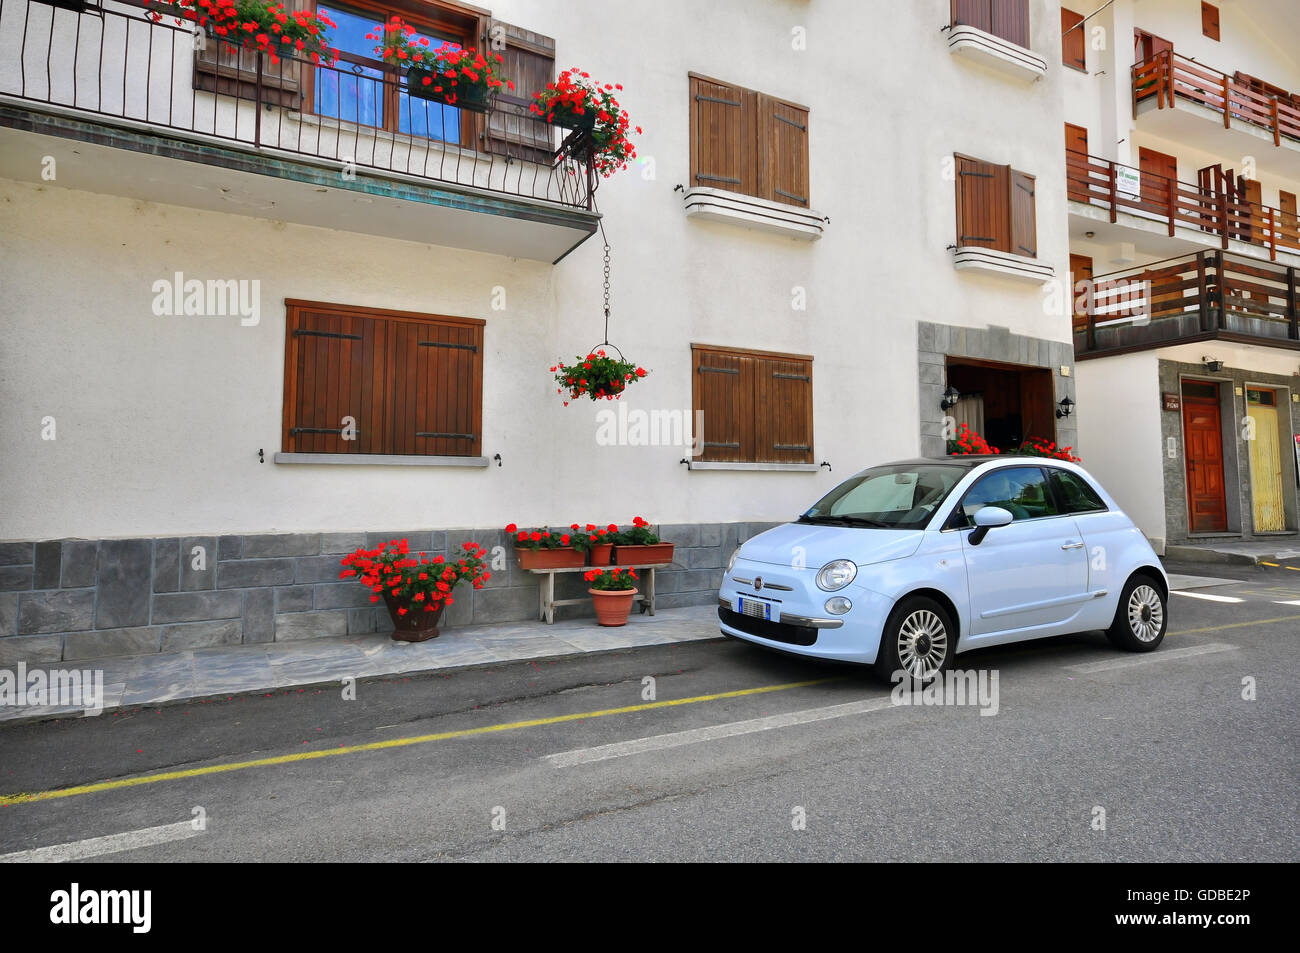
919,640
1141,617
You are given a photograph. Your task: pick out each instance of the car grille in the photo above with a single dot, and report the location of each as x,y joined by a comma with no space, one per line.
775,631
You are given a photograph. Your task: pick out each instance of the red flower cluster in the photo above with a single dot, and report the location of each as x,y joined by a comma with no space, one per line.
597,376
449,69
418,583
572,97
543,538
1041,447
611,579
968,442
258,24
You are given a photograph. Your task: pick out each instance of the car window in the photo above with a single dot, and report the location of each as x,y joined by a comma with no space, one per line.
897,496
1074,493
1020,490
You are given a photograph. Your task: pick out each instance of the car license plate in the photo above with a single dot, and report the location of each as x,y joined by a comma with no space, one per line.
756,608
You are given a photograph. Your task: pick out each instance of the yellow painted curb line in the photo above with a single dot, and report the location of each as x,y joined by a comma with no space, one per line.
7,800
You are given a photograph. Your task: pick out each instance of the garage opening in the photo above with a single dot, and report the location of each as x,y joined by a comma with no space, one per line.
1006,404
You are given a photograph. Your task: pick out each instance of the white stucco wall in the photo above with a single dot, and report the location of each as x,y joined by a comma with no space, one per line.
160,419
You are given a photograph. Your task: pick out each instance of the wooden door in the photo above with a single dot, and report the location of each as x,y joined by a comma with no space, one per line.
1207,510
1147,46
1289,223
1253,196
1081,271
1076,162
1265,461
1159,178
1209,181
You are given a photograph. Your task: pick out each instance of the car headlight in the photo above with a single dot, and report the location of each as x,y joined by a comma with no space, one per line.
732,561
836,574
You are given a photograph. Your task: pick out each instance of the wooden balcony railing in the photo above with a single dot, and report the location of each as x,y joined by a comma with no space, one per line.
112,64
1109,185
1209,294
1167,75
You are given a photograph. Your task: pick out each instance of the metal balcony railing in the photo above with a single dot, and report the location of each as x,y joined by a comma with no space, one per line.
114,64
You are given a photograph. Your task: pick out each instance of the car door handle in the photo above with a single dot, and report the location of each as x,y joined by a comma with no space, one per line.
1072,545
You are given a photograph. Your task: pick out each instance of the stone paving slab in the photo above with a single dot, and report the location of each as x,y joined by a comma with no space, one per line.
237,669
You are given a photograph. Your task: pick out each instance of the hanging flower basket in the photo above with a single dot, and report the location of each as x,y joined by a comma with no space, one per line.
260,25
576,101
597,376
447,74
416,588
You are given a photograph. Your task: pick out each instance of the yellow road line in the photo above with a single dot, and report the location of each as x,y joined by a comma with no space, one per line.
1236,625
1294,568
1262,563
6,800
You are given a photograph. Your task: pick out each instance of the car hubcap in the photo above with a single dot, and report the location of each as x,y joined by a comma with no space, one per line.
922,644
1146,614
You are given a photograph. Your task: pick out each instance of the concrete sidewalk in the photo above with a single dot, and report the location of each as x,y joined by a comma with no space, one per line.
1230,552
143,680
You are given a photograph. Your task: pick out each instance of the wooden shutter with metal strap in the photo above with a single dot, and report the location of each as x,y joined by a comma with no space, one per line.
1073,41
333,400
437,367
783,151
724,152
783,409
1024,230
983,219
722,389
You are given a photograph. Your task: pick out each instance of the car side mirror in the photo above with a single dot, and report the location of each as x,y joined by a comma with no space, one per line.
986,518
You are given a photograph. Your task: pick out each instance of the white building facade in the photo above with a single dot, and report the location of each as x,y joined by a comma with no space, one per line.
1183,143
838,212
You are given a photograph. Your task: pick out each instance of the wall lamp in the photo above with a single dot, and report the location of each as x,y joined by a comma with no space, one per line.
950,397
1064,407
1212,365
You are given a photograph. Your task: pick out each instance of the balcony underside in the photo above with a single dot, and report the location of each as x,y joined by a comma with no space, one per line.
1186,328
1201,127
138,161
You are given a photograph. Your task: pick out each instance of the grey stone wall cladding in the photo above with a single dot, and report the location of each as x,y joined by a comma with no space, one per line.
937,342
1236,454
83,599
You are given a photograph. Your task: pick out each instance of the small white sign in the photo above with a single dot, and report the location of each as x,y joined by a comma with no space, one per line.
1128,182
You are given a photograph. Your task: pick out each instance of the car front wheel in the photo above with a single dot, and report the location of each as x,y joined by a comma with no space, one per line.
919,640
1141,617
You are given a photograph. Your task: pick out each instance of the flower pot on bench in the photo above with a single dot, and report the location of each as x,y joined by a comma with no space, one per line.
643,555
564,558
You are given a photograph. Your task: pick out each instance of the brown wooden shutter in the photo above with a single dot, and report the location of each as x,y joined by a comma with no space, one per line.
334,370
1290,224
1024,226
1073,41
982,214
724,137
437,374
976,13
783,410
723,390
1010,19
1080,270
783,151
1159,175
528,59
1210,20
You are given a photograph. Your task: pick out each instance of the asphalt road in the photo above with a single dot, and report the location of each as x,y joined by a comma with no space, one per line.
459,766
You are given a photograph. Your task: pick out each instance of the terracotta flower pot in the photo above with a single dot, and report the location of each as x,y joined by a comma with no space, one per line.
567,558
612,605
417,625
652,554
601,554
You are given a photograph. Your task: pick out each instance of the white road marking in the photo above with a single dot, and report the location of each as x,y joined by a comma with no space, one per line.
97,846
1208,596
1292,602
622,749
1159,655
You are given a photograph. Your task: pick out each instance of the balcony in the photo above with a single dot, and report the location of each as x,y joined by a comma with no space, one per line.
1101,191
1176,96
118,99
1209,295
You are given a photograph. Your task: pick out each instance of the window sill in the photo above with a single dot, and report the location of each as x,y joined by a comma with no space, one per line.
1019,267
996,53
379,459
719,205
777,467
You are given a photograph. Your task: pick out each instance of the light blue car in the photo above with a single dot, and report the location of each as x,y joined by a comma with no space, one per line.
906,565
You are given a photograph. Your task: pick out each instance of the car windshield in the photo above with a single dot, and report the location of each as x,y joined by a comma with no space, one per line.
901,496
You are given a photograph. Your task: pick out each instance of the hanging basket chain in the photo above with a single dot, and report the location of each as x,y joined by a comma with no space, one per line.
606,277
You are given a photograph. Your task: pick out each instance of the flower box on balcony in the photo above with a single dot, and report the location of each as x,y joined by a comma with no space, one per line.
476,99
566,558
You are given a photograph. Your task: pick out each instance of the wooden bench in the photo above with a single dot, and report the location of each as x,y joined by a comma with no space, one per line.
546,601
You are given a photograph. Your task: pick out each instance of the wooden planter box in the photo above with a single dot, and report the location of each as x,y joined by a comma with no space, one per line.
643,555
550,558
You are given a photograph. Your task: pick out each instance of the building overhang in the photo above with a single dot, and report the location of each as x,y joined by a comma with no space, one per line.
140,161
995,53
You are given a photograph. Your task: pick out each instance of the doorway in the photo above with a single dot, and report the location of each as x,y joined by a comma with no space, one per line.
1207,509
1010,402
1265,444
